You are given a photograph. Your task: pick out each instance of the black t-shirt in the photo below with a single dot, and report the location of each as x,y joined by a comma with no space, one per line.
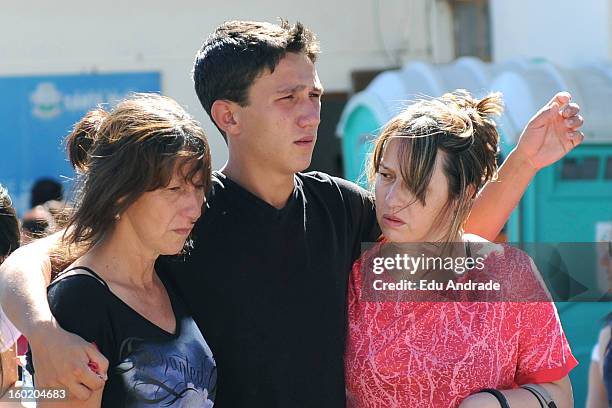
148,367
268,288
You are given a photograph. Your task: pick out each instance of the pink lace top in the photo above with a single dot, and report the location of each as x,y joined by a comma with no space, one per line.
434,354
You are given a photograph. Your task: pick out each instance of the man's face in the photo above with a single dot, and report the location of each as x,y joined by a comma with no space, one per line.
278,127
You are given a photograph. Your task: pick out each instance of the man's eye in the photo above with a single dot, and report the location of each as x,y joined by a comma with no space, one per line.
288,97
315,95
385,175
175,188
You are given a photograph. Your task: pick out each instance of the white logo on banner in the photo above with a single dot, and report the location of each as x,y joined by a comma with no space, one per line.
46,100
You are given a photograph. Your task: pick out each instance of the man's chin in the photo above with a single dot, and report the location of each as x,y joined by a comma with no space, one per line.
302,165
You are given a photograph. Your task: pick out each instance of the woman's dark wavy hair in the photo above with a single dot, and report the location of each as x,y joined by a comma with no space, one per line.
121,154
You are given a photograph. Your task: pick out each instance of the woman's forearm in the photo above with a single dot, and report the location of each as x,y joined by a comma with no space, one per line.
498,199
560,391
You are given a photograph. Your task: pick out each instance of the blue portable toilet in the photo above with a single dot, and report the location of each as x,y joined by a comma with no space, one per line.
581,179
569,201
390,92
362,118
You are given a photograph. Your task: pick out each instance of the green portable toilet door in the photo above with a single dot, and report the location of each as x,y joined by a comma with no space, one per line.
565,203
359,133
573,196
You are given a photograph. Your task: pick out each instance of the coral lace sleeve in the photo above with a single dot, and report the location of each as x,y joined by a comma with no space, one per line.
544,352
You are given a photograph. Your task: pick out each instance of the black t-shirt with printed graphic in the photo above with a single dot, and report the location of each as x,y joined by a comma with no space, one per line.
268,288
148,367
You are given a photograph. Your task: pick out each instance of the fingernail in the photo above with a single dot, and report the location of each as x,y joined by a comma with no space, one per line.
569,122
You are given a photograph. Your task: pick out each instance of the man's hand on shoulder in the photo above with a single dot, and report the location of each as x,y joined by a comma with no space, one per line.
63,360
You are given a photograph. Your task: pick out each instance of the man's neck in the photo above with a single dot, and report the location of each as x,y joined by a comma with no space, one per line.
272,187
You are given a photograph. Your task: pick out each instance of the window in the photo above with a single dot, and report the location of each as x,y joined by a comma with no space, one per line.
472,32
608,171
586,168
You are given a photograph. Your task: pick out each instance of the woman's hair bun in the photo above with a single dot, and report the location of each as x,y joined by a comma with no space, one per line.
83,136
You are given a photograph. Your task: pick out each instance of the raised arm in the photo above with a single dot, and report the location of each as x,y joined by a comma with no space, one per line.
60,358
550,134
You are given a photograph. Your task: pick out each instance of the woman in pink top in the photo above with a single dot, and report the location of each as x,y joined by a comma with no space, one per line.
427,166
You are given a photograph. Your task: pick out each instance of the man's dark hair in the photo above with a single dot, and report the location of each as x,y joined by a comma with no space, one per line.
44,190
237,52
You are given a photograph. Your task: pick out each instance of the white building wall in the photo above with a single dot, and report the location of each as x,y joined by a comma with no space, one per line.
70,36
565,32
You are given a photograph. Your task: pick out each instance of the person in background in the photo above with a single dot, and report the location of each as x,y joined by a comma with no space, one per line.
45,189
37,223
605,344
46,208
9,241
600,370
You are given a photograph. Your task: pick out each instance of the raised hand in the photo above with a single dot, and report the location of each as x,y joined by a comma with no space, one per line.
552,132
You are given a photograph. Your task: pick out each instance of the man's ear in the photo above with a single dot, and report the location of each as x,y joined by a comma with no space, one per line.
224,114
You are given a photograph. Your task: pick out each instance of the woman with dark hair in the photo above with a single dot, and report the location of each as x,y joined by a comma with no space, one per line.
9,241
600,371
448,348
144,168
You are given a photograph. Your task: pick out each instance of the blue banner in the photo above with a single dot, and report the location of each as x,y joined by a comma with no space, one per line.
36,114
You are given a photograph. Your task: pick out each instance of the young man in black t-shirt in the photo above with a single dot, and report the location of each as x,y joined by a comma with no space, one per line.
266,281
268,288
